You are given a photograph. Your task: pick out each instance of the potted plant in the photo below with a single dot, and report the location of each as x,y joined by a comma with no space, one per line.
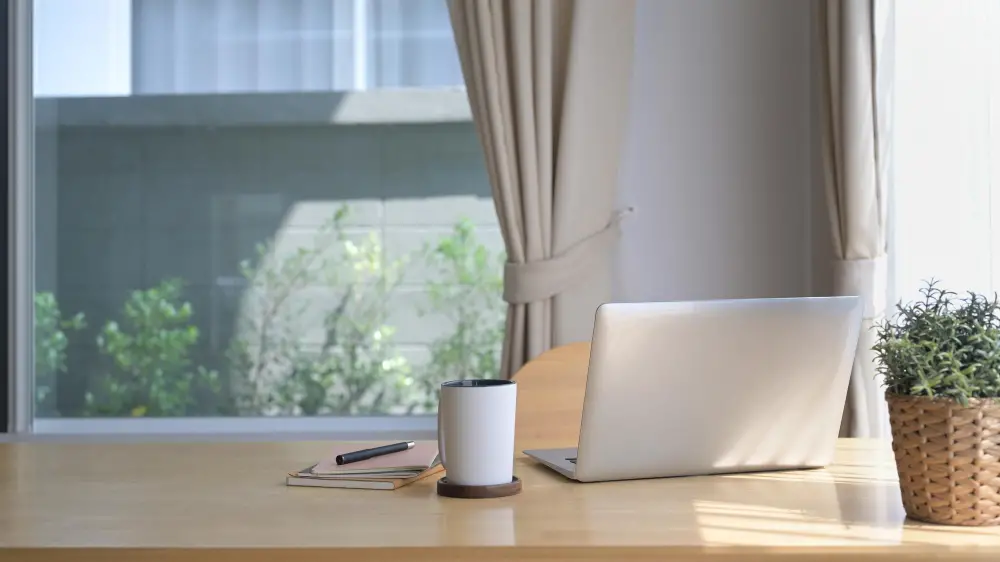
940,358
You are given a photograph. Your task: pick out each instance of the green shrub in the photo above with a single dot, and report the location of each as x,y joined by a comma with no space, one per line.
51,342
343,362
354,368
466,289
151,372
942,346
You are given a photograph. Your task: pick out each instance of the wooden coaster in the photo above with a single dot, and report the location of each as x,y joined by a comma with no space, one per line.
450,490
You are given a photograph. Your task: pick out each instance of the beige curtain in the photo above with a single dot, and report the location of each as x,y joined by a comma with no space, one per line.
548,85
854,132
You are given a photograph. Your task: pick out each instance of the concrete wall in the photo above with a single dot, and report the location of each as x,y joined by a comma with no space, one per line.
46,199
720,161
137,205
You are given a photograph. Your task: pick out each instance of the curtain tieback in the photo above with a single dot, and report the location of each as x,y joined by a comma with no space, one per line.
543,279
866,278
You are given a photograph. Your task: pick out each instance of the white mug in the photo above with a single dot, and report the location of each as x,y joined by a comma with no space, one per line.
476,431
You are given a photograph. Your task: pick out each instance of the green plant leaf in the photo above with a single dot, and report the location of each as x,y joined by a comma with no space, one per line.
941,345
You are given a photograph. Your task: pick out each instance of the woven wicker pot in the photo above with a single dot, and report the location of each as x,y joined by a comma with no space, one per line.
948,458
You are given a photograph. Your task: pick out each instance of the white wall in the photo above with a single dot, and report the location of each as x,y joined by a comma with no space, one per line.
719,161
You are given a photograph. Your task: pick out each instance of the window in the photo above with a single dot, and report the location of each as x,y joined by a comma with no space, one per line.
248,209
946,137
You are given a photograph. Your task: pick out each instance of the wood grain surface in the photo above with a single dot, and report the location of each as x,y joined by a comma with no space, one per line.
228,502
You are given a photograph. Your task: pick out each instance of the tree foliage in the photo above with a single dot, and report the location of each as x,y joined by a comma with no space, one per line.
465,289
151,372
351,366
312,335
52,333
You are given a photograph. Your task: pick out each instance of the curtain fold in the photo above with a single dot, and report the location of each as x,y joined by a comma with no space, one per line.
854,135
548,84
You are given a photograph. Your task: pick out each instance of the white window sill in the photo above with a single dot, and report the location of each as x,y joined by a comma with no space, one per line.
371,107
229,429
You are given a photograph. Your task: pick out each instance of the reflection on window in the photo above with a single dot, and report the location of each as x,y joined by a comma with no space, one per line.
255,267
123,47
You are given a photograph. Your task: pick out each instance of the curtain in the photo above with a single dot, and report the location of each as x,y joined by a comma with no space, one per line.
854,135
548,84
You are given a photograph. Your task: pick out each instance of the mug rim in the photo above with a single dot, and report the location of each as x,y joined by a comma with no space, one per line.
477,383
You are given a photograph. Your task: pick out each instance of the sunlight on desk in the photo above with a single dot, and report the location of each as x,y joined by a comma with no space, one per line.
198,500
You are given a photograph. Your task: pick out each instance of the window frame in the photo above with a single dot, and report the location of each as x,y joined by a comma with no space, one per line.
339,427
5,378
19,216
18,391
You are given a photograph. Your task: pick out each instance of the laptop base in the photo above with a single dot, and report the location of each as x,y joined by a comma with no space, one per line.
562,461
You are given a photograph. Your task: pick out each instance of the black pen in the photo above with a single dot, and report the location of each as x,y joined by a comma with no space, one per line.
366,454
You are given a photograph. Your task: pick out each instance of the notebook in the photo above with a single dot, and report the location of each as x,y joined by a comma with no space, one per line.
386,472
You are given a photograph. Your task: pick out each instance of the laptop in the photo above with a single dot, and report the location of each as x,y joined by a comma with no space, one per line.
712,387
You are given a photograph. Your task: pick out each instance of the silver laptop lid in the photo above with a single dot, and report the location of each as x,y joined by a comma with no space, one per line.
716,386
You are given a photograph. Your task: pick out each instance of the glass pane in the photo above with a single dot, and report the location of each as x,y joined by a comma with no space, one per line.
412,45
215,238
216,46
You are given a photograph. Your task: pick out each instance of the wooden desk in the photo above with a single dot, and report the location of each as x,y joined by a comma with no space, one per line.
118,502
